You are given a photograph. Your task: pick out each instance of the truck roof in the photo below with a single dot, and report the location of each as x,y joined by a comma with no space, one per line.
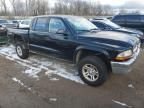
59,16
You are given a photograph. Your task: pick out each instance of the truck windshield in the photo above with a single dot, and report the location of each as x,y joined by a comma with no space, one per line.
26,22
81,24
113,25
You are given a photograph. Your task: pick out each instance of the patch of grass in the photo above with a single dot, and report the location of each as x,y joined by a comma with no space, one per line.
3,40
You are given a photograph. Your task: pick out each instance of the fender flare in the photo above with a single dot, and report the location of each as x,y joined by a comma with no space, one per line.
79,50
23,40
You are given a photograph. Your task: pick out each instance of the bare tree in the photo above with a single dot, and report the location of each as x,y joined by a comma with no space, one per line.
79,7
13,3
36,7
107,10
123,10
3,6
41,7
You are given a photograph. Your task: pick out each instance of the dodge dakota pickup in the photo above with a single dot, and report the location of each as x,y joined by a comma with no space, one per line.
73,38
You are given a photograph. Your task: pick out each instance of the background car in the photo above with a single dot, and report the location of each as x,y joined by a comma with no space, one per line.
3,29
107,25
16,22
135,21
4,25
25,23
7,23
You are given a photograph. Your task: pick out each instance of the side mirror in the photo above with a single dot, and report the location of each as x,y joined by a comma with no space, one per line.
62,31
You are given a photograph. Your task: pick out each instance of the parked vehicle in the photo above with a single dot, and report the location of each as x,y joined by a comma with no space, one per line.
8,24
95,52
16,22
3,30
25,23
107,25
135,21
4,24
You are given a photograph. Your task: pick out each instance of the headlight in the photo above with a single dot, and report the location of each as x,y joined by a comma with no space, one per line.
124,55
140,36
4,26
136,35
1,28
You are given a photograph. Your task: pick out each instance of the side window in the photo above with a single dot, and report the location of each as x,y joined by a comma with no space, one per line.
27,22
119,18
133,18
142,18
55,24
22,22
15,22
100,25
33,22
41,24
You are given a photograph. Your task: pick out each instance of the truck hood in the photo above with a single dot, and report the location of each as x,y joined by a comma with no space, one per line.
109,38
132,31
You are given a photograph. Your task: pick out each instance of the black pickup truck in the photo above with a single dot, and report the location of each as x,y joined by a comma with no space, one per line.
95,52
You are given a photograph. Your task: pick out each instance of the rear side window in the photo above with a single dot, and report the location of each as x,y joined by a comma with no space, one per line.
100,25
142,18
33,23
119,18
15,22
23,22
55,24
41,24
133,18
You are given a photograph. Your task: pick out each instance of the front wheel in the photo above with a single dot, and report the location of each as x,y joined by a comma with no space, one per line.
93,71
21,51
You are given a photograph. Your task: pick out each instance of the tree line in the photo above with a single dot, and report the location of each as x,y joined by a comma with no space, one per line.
42,7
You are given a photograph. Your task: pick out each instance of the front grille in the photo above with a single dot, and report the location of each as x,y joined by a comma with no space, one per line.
141,37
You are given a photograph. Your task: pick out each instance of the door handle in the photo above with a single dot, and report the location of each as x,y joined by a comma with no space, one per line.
65,37
46,38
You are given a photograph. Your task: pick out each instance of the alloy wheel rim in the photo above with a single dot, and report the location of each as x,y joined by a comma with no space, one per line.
19,50
90,72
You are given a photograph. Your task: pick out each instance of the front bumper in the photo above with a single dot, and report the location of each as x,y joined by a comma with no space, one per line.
3,33
124,67
142,43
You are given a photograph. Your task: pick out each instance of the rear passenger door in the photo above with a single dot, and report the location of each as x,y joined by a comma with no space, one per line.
38,35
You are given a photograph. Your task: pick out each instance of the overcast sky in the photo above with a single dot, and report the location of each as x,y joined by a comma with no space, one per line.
117,2
105,2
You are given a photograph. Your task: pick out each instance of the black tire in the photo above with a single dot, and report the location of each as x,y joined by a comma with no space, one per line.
100,66
24,52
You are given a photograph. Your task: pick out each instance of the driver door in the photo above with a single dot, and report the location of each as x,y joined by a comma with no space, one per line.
60,42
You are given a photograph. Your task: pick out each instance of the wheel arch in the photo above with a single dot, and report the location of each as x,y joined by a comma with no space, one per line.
20,39
82,52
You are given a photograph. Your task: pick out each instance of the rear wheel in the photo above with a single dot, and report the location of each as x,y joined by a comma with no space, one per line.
21,51
93,71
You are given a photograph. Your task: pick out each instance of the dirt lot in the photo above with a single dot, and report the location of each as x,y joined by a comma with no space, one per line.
46,82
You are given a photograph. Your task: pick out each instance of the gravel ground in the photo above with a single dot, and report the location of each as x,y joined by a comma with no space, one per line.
46,82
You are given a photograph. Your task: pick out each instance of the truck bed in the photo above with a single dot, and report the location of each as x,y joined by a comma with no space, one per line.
24,32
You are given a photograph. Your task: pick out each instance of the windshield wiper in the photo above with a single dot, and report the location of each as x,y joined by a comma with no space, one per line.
116,28
91,30
83,30
95,30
